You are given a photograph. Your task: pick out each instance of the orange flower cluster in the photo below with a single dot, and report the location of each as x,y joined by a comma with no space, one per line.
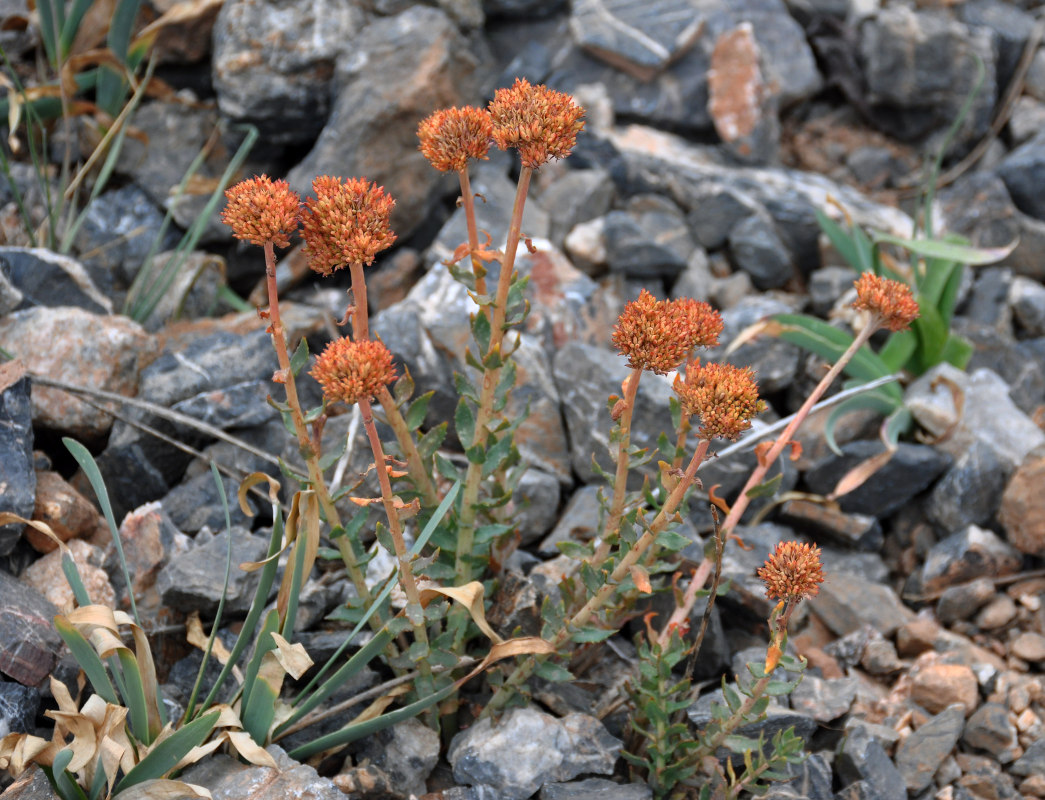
659,335
541,123
345,223
724,396
353,371
261,210
792,572
890,300
452,136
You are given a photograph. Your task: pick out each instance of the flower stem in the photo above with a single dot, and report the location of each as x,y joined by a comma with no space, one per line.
606,591
620,481
414,463
470,493
468,203
305,445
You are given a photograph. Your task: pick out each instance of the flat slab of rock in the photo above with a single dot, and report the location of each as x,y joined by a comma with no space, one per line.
228,779
29,644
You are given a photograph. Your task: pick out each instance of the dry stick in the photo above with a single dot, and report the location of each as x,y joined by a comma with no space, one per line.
470,494
308,452
606,591
620,480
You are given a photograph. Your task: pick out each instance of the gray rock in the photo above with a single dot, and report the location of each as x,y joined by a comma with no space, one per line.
527,749
541,437
149,540
535,505
586,376
757,249
967,554
1026,119
17,475
987,414
862,758
777,718
521,8
774,361
237,405
45,278
847,604
919,68
1019,170
638,38
826,287
1009,26
1028,305
988,302
824,699
193,581
18,708
196,503
715,209
998,352
578,196
739,565
595,789
406,752
970,491
859,531
962,601
911,469
10,296
29,644
696,281
33,784
649,240
921,753
118,231
579,521
715,653
228,779
1032,762
194,291
989,729
399,70
281,83
874,167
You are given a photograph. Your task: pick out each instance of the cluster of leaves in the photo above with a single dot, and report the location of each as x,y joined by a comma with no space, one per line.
720,759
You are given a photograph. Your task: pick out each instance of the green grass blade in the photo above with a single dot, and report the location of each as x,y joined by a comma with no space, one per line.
134,696
162,758
259,710
64,784
190,706
74,579
90,468
263,645
71,26
898,349
88,659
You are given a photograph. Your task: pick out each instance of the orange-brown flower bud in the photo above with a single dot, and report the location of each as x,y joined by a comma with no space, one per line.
541,123
724,396
659,335
353,371
453,135
261,210
792,572
345,223
889,300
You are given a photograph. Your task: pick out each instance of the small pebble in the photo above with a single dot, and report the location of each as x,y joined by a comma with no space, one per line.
937,686
1029,647
996,614
1026,720
1033,785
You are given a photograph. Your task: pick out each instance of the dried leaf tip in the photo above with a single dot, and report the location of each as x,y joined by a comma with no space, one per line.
453,135
540,122
659,335
261,210
889,300
347,222
352,371
724,396
793,571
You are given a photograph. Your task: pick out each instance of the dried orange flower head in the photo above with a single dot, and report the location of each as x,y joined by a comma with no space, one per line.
889,300
659,335
541,123
453,135
345,223
724,396
793,571
353,371
261,210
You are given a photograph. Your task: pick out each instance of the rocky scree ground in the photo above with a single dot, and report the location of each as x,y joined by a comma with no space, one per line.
709,144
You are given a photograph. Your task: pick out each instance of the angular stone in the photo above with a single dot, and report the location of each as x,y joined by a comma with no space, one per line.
149,540
1014,361
45,278
962,601
578,196
17,476
987,413
715,208
407,752
970,491
923,751
18,708
192,294
971,553
535,505
858,531
822,699
1028,305
847,605
65,510
196,503
649,240
774,361
595,789
1019,170
1032,761
936,686
528,748
777,718
33,784
282,82
989,729
47,577
757,249
579,521
1022,512
910,470
193,581
397,72
862,758
29,644
639,38
73,345
229,779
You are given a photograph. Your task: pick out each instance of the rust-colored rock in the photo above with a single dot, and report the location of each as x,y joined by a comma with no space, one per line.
936,686
46,576
69,513
739,99
1022,512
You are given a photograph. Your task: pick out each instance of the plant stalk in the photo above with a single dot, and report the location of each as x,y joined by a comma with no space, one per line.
620,480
